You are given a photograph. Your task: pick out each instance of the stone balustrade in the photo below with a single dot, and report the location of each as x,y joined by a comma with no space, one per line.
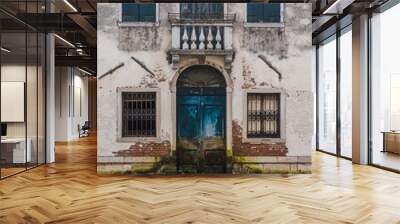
201,34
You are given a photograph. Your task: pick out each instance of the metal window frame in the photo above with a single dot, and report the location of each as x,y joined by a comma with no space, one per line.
334,37
386,6
119,136
282,115
140,117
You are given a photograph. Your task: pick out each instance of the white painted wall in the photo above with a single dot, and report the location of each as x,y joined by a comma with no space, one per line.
69,82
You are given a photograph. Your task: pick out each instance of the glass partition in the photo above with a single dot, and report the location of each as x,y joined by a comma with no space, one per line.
346,93
327,96
22,77
385,89
13,94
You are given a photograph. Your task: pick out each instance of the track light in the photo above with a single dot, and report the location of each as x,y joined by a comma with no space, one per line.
64,40
337,7
327,11
70,5
5,50
84,71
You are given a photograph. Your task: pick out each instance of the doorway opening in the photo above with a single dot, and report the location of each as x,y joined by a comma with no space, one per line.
201,123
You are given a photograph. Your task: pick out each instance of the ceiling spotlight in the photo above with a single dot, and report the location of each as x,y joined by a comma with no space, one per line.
5,49
70,5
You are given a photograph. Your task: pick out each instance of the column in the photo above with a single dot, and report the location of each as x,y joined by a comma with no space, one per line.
360,90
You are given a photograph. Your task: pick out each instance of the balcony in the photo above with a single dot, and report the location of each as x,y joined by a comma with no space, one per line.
201,35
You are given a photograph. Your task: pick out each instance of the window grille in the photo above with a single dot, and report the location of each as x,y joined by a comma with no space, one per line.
263,115
138,114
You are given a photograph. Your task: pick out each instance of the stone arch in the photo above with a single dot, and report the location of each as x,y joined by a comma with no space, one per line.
228,80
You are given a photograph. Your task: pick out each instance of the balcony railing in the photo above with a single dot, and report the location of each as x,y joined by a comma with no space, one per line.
208,33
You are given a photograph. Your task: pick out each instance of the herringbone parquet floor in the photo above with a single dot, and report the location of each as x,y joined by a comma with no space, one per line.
69,191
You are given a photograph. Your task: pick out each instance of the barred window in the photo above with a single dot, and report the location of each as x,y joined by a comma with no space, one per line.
263,115
138,114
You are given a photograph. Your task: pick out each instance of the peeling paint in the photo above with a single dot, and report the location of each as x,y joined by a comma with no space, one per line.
287,48
241,148
248,80
146,149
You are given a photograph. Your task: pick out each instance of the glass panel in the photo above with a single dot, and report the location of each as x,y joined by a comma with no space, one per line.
385,83
346,93
13,90
41,99
31,98
327,96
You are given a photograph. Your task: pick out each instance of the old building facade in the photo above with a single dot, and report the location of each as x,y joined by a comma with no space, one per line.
204,88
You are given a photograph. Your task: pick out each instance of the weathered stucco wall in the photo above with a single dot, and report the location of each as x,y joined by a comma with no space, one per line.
287,48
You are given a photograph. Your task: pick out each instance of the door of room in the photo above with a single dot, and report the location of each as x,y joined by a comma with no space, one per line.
201,130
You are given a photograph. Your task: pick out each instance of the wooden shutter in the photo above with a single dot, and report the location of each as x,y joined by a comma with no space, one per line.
254,12
138,12
130,12
147,12
272,13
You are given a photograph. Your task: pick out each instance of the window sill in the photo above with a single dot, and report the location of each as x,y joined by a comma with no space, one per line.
138,24
139,139
263,140
264,25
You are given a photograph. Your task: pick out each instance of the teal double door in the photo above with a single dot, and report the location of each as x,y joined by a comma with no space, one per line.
201,130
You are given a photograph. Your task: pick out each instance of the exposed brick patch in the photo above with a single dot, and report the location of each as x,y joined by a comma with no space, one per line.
251,149
146,149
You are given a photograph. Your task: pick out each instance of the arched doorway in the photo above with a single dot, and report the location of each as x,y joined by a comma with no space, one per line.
201,124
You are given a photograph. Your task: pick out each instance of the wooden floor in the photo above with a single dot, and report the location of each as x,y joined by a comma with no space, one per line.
386,159
69,191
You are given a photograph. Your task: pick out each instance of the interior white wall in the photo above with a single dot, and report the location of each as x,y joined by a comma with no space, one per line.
67,115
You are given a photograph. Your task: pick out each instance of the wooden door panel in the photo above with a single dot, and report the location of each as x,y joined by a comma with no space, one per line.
201,132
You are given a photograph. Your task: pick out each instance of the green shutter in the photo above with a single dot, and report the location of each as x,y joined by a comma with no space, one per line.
272,13
138,12
254,12
147,12
130,12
